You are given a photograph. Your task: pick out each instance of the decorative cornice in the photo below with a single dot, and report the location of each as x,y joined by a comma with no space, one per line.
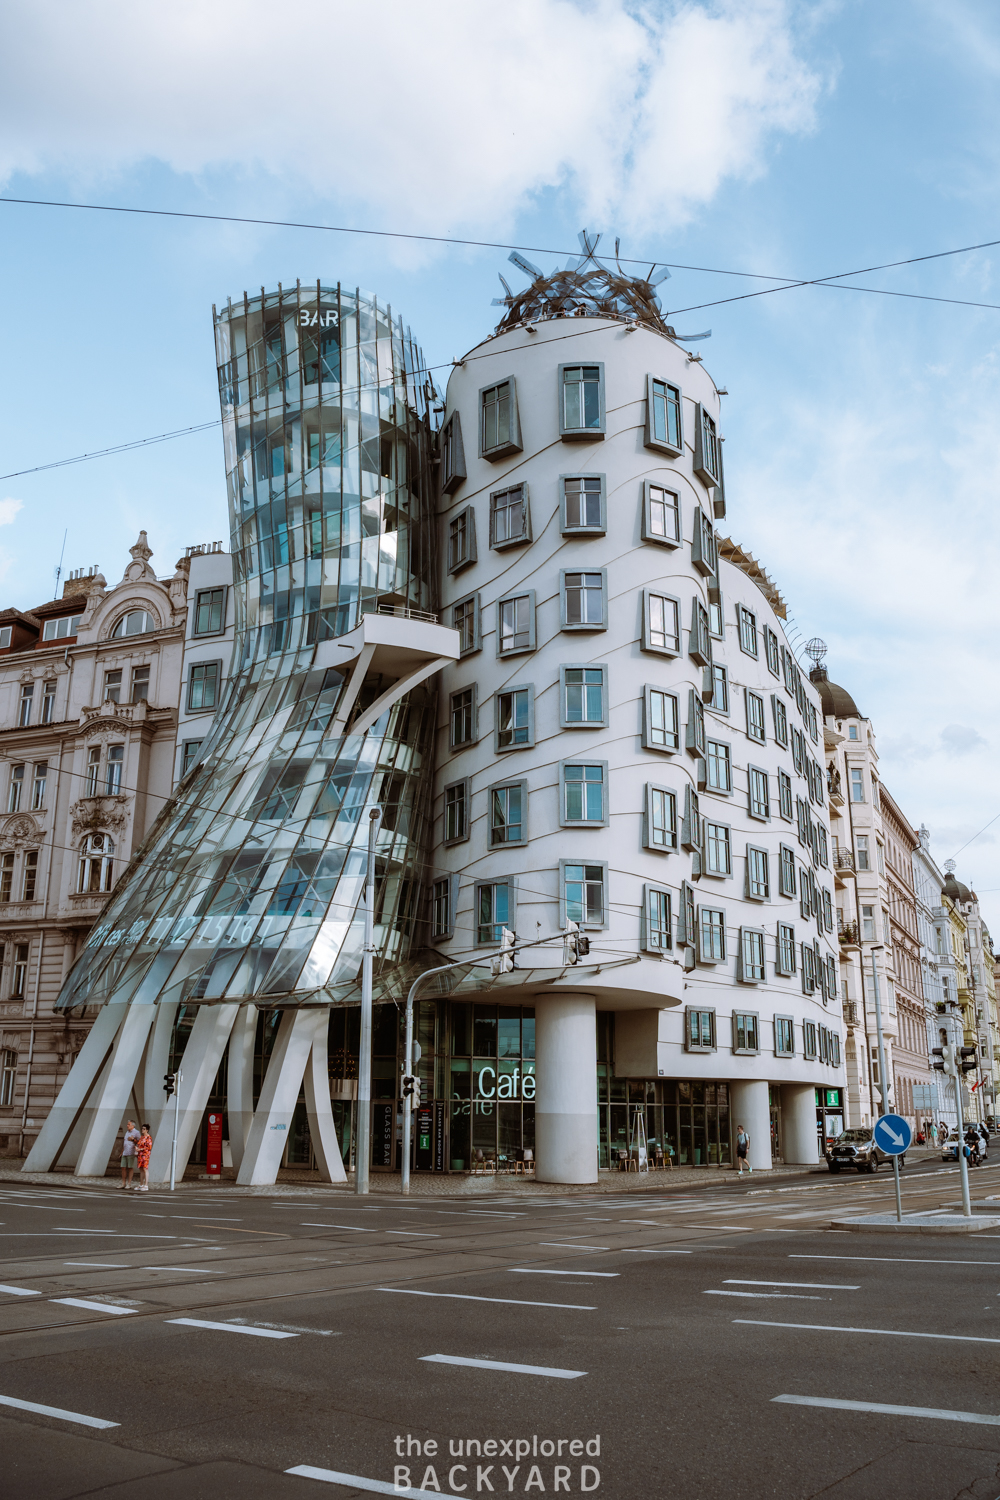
99,814
20,831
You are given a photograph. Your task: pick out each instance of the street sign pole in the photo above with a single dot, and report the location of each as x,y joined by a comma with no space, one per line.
173,1143
956,1073
883,1083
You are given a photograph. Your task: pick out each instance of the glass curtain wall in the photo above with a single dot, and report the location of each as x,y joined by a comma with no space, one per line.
248,885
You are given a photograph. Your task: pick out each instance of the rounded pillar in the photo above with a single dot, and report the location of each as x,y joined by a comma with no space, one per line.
750,1107
799,1138
566,1089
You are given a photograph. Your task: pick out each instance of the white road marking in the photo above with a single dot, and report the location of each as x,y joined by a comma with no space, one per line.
52,1208
406,1291
100,1265
354,1227
815,1286
104,1307
115,1234
496,1364
935,1412
188,1270
421,1234
358,1482
790,1296
324,1333
916,1260
563,1245
896,1333
56,1411
18,1291
654,1252
198,1218
261,1333
538,1271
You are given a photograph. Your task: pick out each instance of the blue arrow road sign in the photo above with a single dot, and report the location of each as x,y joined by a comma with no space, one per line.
892,1135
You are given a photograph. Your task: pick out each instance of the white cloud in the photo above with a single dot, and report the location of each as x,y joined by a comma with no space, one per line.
9,510
443,116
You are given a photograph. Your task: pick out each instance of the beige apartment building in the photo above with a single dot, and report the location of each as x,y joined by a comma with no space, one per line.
911,1068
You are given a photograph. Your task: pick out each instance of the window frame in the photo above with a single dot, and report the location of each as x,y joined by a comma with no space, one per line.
475,599
586,626
454,470
744,1016
564,820
459,745
771,641
704,547
718,928
779,1050
39,784
510,882
511,598
565,527
810,1041
507,784
513,443
765,816
463,838
720,672
700,1011
513,541
857,783
582,434
784,949
193,667
587,926
647,720
584,666
529,743
786,861
780,720
189,757
649,789
700,637
115,635
719,791
753,972
650,440
704,446
785,801
468,514
646,532
648,946
726,843
744,613
750,696
450,895
646,636
765,858
201,635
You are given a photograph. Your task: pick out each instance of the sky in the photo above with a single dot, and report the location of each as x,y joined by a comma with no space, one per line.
758,136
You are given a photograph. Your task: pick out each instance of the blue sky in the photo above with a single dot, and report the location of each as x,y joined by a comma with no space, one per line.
795,140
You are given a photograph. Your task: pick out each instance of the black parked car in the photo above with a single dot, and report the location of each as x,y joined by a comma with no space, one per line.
857,1149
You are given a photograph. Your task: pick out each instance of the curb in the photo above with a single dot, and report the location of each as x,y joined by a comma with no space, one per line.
873,1224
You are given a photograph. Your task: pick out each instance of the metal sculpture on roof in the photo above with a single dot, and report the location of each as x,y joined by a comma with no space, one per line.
588,287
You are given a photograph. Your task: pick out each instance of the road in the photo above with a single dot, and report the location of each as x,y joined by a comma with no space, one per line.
207,1345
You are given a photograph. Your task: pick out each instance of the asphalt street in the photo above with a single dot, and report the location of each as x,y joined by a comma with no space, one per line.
214,1346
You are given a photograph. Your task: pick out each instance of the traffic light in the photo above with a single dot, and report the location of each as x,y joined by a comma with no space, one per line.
503,962
416,1092
938,1054
169,1083
408,1084
575,945
967,1056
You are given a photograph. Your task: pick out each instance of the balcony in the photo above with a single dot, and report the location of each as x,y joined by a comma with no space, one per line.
843,866
835,789
851,1013
849,936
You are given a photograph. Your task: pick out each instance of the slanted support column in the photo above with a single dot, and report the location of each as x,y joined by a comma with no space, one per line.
750,1107
198,1066
273,1117
799,1137
240,1080
318,1108
66,1114
566,1096
111,1101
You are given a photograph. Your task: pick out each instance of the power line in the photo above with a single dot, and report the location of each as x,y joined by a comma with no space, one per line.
163,437
975,836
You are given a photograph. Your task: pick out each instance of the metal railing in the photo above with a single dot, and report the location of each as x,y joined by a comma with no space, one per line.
851,1013
400,612
843,859
849,935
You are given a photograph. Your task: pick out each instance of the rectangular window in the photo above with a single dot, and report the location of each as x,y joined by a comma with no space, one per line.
809,1039
507,809
700,1030
582,407
695,739
48,702
720,689
771,652
443,925
746,1035
700,639
707,454
38,788
514,716
661,515
462,540
509,517
30,875
583,796
687,919
827,911
661,623
140,684
704,552
16,788
24,710
112,687
785,965
59,630
751,955
113,773
808,969
583,502
6,636
758,874
857,784
760,797
93,770
465,619
493,904
660,720
785,795
583,601
747,622
203,686
583,894
755,717
663,416
786,880
718,849
822,846
660,830
658,920
516,624
209,611
583,696
780,716
20,980
9,1075
453,468
499,429
463,718
868,924
715,618
6,877
784,1037
456,812
863,860
720,766
189,755
711,935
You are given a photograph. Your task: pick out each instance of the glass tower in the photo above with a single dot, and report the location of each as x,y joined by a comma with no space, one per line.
248,885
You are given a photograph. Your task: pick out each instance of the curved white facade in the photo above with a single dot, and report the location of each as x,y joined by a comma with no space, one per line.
581,766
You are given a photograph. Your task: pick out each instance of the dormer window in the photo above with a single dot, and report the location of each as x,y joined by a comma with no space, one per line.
136,622
57,630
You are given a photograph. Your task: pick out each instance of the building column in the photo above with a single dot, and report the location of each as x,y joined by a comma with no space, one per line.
566,1088
749,1106
272,1119
799,1138
198,1066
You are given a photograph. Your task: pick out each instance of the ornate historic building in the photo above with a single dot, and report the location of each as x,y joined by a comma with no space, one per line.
89,686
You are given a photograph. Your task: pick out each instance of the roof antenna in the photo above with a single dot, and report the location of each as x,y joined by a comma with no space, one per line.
61,556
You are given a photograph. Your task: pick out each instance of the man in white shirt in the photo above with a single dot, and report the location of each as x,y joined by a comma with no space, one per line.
129,1154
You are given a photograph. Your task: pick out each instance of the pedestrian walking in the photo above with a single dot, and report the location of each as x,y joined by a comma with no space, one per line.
143,1147
128,1154
932,1132
742,1147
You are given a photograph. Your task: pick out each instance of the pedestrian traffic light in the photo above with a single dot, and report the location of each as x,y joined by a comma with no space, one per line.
169,1082
967,1056
416,1092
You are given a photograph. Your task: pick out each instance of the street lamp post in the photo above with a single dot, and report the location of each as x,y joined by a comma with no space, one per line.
884,1080
363,1144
